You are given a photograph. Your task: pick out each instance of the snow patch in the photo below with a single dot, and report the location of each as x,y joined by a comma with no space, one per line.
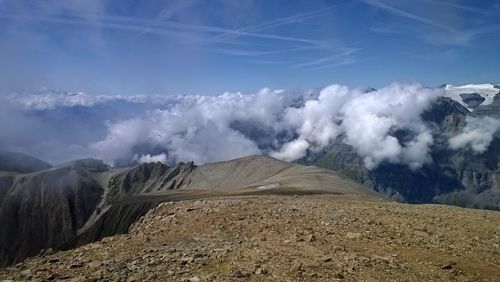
487,91
268,186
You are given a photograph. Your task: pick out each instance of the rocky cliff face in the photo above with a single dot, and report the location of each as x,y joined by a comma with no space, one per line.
457,177
51,208
44,209
491,110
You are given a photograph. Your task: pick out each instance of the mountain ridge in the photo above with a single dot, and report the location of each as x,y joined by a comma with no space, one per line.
82,201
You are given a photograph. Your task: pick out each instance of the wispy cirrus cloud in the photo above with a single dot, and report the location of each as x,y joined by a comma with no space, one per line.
254,53
457,6
406,14
385,29
217,39
343,57
443,32
171,8
297,18
165,28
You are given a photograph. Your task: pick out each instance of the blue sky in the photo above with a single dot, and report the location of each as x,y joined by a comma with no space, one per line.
208,47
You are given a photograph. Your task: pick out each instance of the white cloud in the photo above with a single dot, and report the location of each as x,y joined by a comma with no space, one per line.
152,159
52,100
198,128
367,120
478,134
292,150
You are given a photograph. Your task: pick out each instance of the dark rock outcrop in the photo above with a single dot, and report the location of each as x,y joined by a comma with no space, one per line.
44,209
491,110
52,208
473,100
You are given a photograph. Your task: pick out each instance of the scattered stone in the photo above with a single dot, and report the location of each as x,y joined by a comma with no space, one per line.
51,276
194,279
241,273
383,260
76,265
94,264
186,260
135,277
260,271
353,235
26,272
448,265
339,275
296,267
310,238
338,249
53,260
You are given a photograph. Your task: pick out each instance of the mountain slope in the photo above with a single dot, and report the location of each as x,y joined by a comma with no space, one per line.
85,200
283,238
19,162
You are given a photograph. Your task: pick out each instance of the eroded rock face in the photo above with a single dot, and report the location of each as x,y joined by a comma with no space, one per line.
473,100
491,110
44,209
146,178
72,204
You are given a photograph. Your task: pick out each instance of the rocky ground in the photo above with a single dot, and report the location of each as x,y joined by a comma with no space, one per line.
285,238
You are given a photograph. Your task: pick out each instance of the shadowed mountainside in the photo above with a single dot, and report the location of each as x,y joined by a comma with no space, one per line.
19,162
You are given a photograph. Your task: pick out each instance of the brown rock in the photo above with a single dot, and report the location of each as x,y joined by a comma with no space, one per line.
353,235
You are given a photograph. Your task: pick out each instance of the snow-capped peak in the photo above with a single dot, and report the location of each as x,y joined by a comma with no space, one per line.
472,95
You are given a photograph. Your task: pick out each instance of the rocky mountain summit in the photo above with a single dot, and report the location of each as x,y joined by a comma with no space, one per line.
285,238
82,201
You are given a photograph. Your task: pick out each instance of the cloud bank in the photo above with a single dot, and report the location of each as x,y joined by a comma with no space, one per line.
368,120
382,125
206,129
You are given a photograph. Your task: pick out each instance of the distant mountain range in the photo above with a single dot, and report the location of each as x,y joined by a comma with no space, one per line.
463,177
